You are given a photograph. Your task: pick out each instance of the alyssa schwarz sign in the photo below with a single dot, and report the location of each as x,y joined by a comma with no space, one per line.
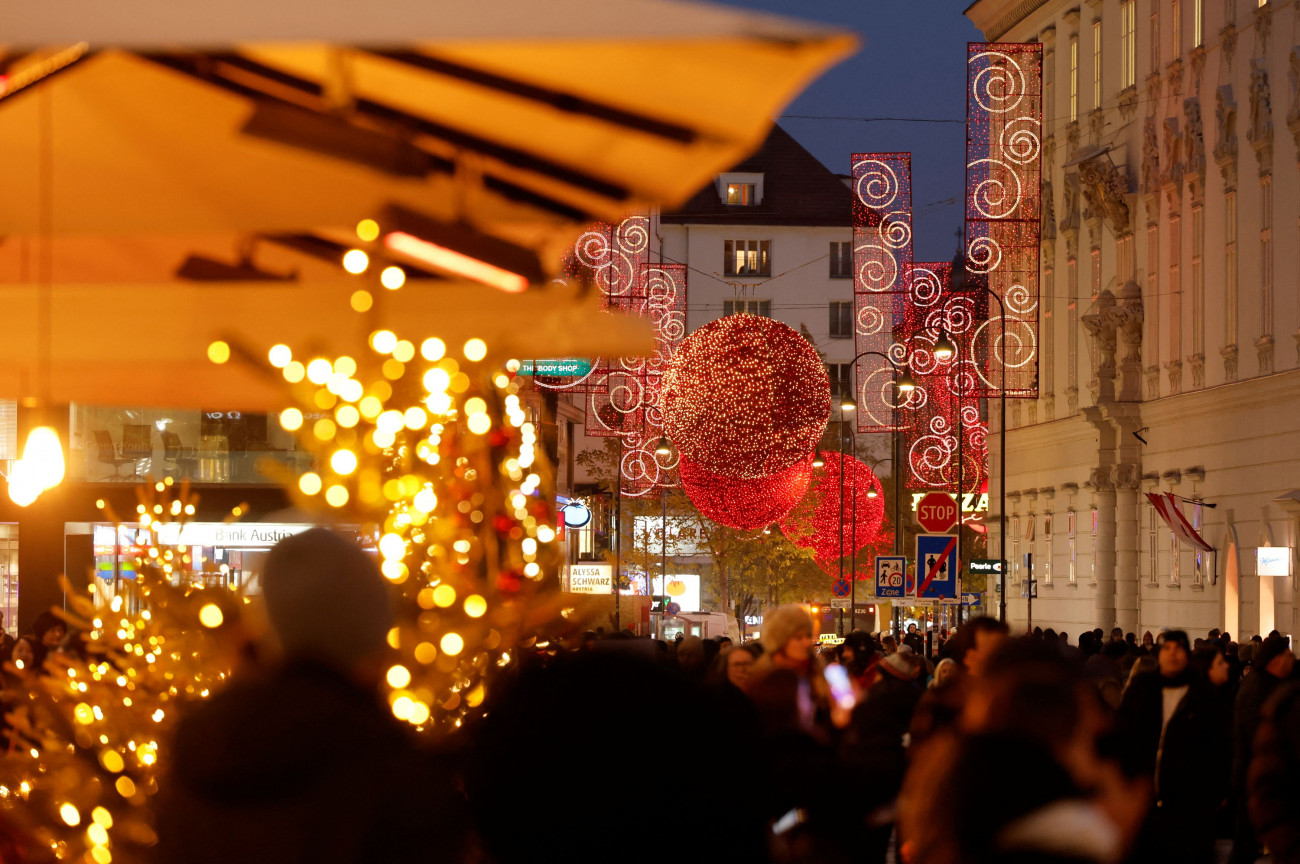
591,579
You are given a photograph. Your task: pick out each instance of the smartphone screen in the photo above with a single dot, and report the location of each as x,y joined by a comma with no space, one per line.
841,688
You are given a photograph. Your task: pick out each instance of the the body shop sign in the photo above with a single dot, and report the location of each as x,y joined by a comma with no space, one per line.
591,579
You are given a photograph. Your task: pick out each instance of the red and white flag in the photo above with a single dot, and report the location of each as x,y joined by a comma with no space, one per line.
1166,505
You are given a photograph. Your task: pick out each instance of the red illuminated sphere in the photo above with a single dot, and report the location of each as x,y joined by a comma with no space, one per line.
745,397
815,523
745,504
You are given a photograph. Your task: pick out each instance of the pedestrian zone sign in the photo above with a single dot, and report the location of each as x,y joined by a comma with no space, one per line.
890,578
936,568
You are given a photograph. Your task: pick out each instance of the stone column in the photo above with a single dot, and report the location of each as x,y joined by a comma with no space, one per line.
1127,582
1103,490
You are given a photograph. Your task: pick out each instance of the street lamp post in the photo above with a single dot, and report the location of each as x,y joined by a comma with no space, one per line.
903,383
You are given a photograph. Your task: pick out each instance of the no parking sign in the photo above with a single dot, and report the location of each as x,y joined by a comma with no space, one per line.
936,568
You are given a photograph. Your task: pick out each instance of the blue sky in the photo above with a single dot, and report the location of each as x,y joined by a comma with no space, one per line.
911,64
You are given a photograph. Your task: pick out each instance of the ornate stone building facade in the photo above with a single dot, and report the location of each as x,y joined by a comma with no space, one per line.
1170,330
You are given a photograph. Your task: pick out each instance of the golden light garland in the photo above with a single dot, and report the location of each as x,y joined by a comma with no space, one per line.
90,735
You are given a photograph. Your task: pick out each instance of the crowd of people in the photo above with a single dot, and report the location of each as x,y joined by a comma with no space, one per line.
970,747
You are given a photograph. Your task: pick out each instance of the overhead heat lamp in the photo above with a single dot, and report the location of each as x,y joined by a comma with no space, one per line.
459,250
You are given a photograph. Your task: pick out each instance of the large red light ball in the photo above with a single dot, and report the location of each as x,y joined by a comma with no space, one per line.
745,397
816,522
745,504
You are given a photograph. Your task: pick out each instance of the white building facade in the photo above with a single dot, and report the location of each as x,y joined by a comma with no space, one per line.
1170,316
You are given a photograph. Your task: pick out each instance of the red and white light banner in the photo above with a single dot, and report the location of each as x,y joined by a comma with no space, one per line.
946,435
1004,112
882,259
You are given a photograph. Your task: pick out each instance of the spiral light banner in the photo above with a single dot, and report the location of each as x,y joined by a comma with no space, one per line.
1004,114
882,259
944,407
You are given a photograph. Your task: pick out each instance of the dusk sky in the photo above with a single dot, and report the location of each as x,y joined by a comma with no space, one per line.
911,64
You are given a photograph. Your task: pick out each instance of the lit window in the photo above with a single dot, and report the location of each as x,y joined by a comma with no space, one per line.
1128,42
746,258
1074,79
741,193
1176,27
1096,64
761,308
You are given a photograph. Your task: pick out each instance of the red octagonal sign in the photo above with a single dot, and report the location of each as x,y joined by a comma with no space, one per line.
937,512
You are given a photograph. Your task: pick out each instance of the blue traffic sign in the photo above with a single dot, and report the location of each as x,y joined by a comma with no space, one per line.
840,588
970,599
890,576
936,567
673,608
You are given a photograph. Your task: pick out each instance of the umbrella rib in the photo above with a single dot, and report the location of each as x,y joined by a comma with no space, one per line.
564,101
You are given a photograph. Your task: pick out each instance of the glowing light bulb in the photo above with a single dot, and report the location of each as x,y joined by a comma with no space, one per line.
392,278
355,261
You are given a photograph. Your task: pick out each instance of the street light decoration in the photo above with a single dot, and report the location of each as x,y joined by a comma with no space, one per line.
746,397
821,533
882,258
1004,211
746,504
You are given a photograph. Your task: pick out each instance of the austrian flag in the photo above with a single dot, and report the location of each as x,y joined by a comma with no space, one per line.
1166,505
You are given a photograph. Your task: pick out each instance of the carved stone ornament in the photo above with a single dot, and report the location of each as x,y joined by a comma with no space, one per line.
1072,400
1049,404
1173,161
1198,67
1195,136
1096,125
1015,414
1049,211
1106,188
1128,316
1102,337
1100,480
1264,349
1293,113
1229,355
1128,101
1174,79
1153,382
1070,203
1263,27
1225,146
1071,137
1127,477
1198,370
1174,369
1150,157
1260,130
1033,413
1228,37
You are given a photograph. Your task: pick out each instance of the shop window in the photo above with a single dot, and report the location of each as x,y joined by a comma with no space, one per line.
111,444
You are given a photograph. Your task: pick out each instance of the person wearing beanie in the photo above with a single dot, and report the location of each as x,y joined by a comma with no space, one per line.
1168,733
1273,664
49,629
302,761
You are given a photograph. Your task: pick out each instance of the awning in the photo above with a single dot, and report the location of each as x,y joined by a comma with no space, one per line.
1166,504
168,162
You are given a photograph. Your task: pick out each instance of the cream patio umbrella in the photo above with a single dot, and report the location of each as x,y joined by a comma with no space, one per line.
179,172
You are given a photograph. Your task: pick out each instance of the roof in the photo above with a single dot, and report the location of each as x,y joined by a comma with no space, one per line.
797,190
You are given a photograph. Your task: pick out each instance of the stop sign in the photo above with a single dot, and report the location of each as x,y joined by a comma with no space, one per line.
937,512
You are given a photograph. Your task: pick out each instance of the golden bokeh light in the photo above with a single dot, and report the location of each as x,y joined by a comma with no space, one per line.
392,277
355,261
452,644
310,483
218,352
367,230
475,350
433,348
210,616
279,356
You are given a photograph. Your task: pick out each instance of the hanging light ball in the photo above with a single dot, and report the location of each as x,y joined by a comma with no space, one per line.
745,397
816,522
746,505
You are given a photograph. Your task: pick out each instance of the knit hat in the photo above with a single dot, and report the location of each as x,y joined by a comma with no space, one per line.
898,666
325,598
1178,636
782,624
1272,647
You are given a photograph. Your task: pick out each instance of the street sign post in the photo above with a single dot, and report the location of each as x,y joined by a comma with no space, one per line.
970,599
936,568
937,512
890,570
841,603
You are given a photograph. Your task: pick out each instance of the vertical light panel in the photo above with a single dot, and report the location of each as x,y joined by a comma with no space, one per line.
1004,212
882,259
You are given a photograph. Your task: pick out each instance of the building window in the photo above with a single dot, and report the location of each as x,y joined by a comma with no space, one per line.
1049,90
1094,545
746,258
1153,546
1230,268
1094,276
762,308
1096,64
1198,281
841,375
841,260
1266,255
1014,563
1072,574
742,194
1155,37
1152,312
1174,556
1128,42
1198,23
1047,553
1074,79
1072,324
1198,573
841,319
1176,28
1175,289
1048,372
